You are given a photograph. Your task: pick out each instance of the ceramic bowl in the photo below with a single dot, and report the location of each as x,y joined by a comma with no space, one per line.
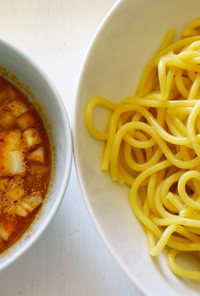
31,79
126,40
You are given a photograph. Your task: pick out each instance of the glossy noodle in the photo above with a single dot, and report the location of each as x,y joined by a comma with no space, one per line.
152,144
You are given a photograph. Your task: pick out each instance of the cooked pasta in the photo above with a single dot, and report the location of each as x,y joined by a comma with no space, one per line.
152,144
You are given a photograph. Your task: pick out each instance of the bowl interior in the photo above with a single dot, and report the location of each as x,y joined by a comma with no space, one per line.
127,39
44,93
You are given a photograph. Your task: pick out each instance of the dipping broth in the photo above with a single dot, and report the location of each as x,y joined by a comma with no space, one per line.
25,163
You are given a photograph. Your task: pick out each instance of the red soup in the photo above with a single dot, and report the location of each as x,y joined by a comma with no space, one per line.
25,163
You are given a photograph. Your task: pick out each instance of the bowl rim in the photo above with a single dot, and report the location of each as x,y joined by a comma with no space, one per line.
99,229
67,170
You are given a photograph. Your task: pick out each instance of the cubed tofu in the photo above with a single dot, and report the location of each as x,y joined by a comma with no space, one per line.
25,121
7,119
31,137
17,107
37,155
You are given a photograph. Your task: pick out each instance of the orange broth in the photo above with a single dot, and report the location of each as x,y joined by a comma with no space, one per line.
25,163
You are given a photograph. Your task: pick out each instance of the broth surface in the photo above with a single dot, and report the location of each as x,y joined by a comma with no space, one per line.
25,163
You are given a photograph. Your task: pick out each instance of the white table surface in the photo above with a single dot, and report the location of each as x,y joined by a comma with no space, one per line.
70,257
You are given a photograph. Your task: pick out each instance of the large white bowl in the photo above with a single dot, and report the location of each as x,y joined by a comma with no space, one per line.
56,119
127,39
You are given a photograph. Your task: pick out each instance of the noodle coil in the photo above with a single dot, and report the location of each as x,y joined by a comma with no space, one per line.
152,144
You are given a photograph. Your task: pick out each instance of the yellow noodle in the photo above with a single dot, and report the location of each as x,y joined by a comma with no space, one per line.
180,83
191,274
167,40
152,144
194,88
175,201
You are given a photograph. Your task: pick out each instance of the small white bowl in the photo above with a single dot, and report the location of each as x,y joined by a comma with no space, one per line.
43,92
128,37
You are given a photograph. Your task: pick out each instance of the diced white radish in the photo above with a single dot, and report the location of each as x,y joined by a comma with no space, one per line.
16,162
12,189
15,193
12,163
37,155
25,121
17,107
4,233
11,155
28,204
12,139
7,119
32,202
20,211
31,137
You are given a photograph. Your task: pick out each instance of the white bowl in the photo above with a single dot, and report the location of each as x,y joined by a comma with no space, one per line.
33,77
127,39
